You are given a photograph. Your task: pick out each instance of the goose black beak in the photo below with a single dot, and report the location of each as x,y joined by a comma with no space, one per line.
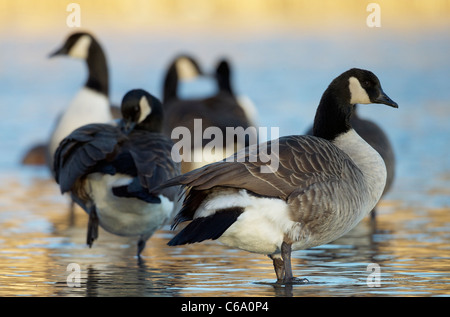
59,51
384,99
127,126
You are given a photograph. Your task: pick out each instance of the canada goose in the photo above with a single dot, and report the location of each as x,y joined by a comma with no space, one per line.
187,118
314,190
91,104
109,171
375,136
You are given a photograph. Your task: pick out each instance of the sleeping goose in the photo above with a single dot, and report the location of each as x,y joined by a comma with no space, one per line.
187,118
309,191
109,171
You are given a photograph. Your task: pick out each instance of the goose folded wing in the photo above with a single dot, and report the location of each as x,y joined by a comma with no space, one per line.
80,152
289,164
151,153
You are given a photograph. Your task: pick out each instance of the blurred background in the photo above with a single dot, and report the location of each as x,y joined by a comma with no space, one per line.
283,53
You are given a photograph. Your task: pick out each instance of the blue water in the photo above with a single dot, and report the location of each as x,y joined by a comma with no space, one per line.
284,74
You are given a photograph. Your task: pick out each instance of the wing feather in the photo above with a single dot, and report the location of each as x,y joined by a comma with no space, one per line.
303,160
151,153
82,150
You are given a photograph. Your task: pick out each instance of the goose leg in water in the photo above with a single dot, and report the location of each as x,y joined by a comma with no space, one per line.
92,233
286,256
278,265
140,247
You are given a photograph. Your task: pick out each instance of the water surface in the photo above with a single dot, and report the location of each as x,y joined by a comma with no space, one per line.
410,247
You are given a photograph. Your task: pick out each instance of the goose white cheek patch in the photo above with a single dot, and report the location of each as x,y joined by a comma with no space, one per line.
186,70
357,93
81,48
145,109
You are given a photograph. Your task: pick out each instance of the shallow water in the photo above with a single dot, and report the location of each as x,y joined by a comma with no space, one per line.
284,74
408,245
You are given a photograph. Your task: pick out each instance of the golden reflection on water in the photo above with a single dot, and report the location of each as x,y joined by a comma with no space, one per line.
420,242
37,244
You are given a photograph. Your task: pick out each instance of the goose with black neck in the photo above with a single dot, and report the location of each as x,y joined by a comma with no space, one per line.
324,185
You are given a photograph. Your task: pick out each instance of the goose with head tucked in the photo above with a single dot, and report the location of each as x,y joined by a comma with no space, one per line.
292,193
110,171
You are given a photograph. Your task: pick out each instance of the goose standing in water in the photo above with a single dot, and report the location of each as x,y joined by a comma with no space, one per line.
91,104
315,189
109,171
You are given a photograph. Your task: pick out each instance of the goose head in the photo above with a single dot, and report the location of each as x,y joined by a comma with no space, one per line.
141,110
365,88
77,45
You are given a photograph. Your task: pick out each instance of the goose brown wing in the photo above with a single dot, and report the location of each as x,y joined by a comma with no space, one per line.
296,162
82,150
